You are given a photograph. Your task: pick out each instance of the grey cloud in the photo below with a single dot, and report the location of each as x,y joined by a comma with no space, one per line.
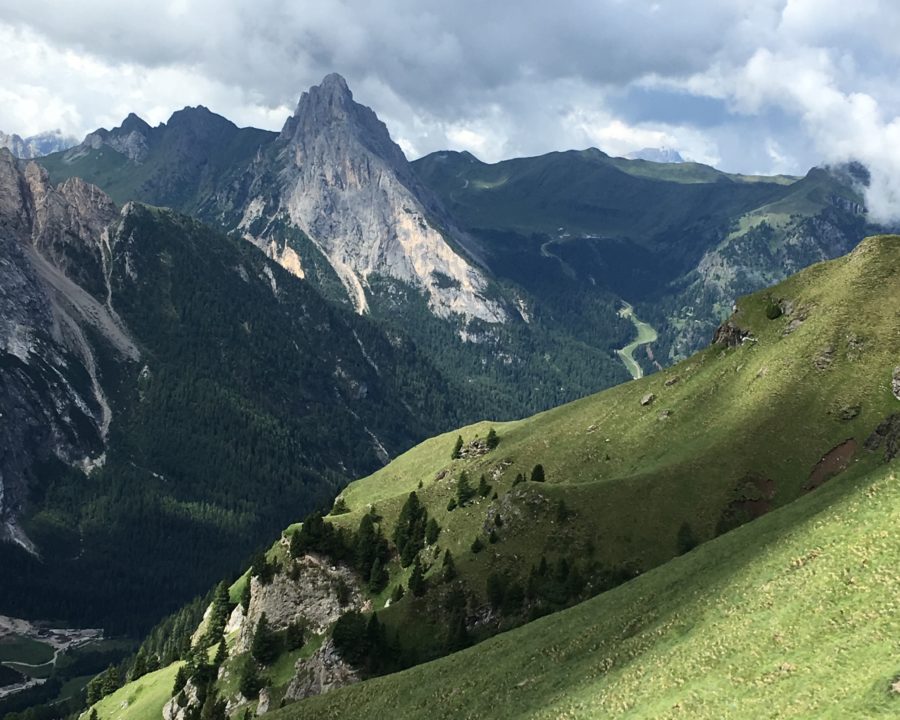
737,80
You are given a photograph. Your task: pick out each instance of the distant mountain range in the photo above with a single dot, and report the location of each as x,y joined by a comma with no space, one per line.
659,155
36,146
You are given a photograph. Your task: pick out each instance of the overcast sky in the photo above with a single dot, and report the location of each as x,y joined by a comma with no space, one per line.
747,85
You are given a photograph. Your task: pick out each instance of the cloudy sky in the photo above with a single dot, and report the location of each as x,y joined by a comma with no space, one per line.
748,85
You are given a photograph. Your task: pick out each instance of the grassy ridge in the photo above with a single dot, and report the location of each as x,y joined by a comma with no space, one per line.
795,615
728,428
732,629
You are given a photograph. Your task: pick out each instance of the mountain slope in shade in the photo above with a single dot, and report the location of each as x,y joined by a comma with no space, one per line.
167,395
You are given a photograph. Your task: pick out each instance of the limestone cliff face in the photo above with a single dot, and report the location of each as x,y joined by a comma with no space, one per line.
54,247
309,590
349,188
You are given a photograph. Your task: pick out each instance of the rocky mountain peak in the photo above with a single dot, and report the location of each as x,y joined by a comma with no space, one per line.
350,189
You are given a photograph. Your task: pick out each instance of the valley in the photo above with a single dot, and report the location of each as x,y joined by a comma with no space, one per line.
645,336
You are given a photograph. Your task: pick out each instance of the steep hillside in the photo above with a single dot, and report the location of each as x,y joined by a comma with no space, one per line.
498,524
792,616
168,396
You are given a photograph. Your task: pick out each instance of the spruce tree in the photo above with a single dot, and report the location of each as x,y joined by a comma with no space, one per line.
265,645
457,448
537,474
432,530
398,594
483,488
378,576
417,583
477,545
492,439
294,636
245,596
464,491
218,614
448,567
249,682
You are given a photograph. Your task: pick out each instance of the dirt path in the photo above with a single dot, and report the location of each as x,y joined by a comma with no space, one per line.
645,334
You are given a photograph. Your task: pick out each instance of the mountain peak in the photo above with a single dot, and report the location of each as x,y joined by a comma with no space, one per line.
335,83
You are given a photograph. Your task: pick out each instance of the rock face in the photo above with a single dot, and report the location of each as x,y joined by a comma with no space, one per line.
132,139
323,672
309,589
54,249
177,708
348,187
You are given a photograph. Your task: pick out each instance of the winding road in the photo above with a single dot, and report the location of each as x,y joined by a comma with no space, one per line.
645,334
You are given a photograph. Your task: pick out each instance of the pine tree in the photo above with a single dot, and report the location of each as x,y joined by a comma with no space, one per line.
457,448
181,678
409,533
432,530
265,645
492,439
245,596
417,583
219,611
249,682
537,474
213,708
378,576
477,545
221,653
448,567
464,491
294,637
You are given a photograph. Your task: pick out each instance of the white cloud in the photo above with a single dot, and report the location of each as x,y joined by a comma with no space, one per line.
800,81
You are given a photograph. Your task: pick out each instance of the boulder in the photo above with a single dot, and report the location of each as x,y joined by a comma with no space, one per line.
648,399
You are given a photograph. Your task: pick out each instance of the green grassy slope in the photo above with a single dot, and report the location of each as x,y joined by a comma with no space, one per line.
142,699
795,615
730,433
779,421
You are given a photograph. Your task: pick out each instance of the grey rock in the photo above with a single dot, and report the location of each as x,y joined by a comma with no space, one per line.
53,287
306,590
342,180
648,399
265,700
323,672
895,382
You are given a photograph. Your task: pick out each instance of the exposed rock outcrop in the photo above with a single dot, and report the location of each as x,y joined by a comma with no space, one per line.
895,382
309,589
730,335
54,249
886,435
177,708
323,672
348,187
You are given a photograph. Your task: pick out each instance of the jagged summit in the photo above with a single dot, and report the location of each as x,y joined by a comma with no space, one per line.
348,186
